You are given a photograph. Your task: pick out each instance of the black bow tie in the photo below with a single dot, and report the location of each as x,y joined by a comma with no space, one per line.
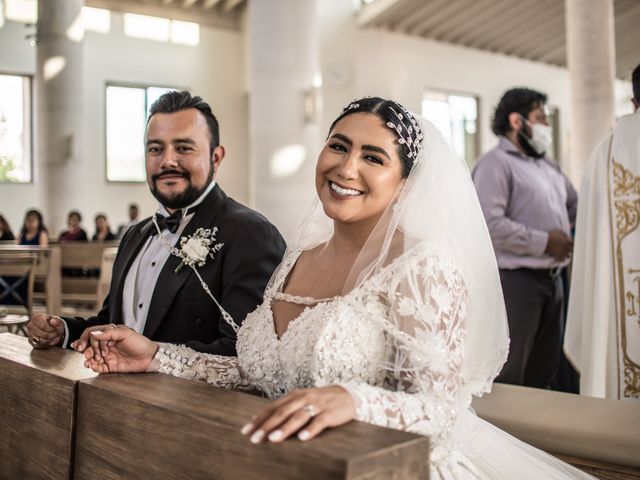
171,223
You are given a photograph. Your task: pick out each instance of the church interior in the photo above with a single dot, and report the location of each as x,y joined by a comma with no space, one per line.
77,81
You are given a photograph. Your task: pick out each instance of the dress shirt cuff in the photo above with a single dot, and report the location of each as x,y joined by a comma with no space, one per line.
65,338
539,240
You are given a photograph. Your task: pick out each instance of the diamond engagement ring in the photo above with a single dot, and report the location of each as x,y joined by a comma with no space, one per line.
310,410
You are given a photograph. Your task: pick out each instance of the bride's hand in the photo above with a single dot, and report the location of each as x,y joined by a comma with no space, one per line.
305,412
122,350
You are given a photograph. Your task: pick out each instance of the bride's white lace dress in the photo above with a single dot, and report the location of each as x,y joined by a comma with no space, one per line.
346,339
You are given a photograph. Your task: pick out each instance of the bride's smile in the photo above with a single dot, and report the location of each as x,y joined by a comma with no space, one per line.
359,170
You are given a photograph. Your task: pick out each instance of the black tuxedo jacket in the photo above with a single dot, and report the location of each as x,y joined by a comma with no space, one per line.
180,311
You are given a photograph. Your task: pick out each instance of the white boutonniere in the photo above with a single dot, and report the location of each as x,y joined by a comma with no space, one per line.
195,249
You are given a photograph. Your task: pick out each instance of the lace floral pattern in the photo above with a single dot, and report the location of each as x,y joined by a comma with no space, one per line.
395,343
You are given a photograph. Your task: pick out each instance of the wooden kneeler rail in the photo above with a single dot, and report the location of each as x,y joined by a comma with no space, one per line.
149,426
59,421
38,395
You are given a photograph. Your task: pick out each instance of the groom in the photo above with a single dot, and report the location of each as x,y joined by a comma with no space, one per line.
151,292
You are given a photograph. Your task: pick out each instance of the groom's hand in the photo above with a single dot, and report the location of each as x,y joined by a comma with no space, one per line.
305,412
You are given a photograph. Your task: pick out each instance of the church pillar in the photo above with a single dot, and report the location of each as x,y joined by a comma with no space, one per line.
591,60
58,106
284,103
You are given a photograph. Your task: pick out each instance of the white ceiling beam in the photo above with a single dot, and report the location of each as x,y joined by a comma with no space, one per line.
458,33
230,5
496,34
371,12
461,16
209,4
426,10
175,11
188,3
425,26
544,22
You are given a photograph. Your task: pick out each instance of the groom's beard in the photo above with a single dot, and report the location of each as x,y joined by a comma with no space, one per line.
182,199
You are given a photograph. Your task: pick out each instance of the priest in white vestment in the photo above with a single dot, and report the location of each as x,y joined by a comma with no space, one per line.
602,336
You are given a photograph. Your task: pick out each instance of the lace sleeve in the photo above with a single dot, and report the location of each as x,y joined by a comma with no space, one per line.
217,370
426,311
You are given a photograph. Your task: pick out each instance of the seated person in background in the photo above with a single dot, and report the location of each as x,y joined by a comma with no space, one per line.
33,230
5,230
198,235
75,233
134,211
103,231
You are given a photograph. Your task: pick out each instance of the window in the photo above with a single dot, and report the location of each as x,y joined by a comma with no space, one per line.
15,128
161,29
126,110
456,116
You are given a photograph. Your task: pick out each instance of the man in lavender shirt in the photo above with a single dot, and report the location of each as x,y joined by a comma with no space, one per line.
530,208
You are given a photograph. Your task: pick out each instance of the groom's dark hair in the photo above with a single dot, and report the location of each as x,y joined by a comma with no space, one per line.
176,101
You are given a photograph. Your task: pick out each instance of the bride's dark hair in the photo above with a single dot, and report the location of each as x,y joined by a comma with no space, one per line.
388,111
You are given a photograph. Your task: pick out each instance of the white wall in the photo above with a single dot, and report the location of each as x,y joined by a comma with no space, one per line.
211,70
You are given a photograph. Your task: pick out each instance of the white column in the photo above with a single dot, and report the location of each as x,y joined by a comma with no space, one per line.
591,61
58,106
283,56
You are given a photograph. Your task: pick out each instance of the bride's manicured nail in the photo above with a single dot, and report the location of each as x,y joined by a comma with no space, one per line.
96,332
257,437
246,429
304,435
276,435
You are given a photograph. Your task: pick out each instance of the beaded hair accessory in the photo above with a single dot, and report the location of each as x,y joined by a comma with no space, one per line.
410,136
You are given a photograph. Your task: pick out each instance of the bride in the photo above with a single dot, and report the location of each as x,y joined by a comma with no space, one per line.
387,307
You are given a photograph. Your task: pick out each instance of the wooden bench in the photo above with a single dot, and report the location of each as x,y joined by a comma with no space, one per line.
47,275
599,436
84,259
56,421
152,425
38,395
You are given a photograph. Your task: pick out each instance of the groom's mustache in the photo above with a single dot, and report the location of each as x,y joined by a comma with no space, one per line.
170,173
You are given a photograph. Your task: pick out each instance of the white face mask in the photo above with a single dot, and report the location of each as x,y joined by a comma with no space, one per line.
541,136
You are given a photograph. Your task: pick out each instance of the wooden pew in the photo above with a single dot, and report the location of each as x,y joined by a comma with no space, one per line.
149,426
48,279
599,436
38,395
84,258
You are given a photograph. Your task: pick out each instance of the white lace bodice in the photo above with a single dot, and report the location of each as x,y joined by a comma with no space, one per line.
395,343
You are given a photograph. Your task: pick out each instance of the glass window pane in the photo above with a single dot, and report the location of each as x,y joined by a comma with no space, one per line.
185,33
456,116
126,119
144,26
23,11
15,129
96,19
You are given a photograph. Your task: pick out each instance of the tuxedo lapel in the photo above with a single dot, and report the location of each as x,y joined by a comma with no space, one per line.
169,282
127,252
